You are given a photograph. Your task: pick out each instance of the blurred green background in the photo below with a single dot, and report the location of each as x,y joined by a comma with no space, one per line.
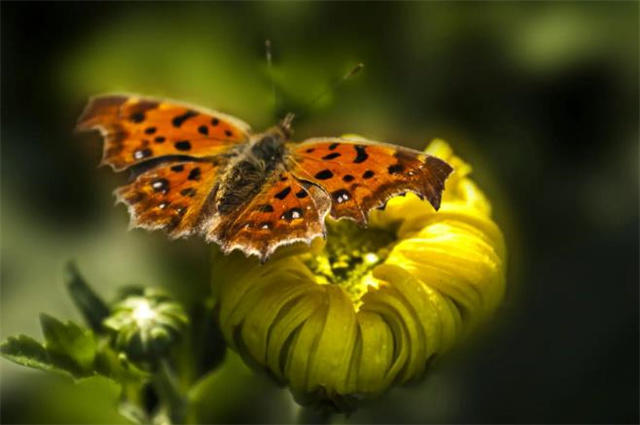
541,98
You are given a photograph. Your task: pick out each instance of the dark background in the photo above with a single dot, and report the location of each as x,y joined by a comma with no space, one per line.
541,98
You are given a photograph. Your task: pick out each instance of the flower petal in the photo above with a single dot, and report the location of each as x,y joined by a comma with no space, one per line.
331,358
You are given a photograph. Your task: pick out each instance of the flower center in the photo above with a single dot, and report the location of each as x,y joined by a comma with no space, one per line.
142,313
349,256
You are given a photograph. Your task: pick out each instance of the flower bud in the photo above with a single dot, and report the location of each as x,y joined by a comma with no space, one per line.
145,325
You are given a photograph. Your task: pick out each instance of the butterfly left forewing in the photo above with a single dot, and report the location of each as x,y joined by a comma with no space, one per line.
360,175
138,129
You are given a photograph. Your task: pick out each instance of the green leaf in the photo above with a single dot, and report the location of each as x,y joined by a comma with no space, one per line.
69,344
72,350
118,367
26,351
93,308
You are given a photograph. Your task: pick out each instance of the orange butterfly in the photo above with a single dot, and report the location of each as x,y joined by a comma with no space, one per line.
201,171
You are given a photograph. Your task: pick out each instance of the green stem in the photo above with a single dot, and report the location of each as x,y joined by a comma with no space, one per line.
170,395
314,415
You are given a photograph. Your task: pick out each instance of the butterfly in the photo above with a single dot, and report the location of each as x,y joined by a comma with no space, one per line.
197,171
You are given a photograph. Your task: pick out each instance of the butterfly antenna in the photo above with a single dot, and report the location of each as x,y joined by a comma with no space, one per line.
333,87
286,124
267,51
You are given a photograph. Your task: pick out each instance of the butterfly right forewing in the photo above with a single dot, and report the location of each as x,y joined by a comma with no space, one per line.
360,175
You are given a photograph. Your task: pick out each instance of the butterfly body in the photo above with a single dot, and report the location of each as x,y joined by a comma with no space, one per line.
251,168
203,172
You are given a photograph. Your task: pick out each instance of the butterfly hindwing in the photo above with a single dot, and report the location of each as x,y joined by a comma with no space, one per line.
284,211
138,129
360,175
170,196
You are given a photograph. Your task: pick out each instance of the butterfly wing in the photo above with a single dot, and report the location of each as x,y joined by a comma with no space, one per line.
171,196
180,147
139,129
284,211
360,175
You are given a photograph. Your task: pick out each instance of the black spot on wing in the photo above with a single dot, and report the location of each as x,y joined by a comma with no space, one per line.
361,154
194,174
324,175
160,185
265,208
333,155
395,168
291,214
283,193
150,130
177,168
203,129
368,174
137,117
180,119
302,194
332,146
183,145
341,196
159,139
138,110
348,178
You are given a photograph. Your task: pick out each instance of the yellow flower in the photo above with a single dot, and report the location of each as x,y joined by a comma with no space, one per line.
368,308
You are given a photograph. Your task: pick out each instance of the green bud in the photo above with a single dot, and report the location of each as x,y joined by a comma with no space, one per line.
146,325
